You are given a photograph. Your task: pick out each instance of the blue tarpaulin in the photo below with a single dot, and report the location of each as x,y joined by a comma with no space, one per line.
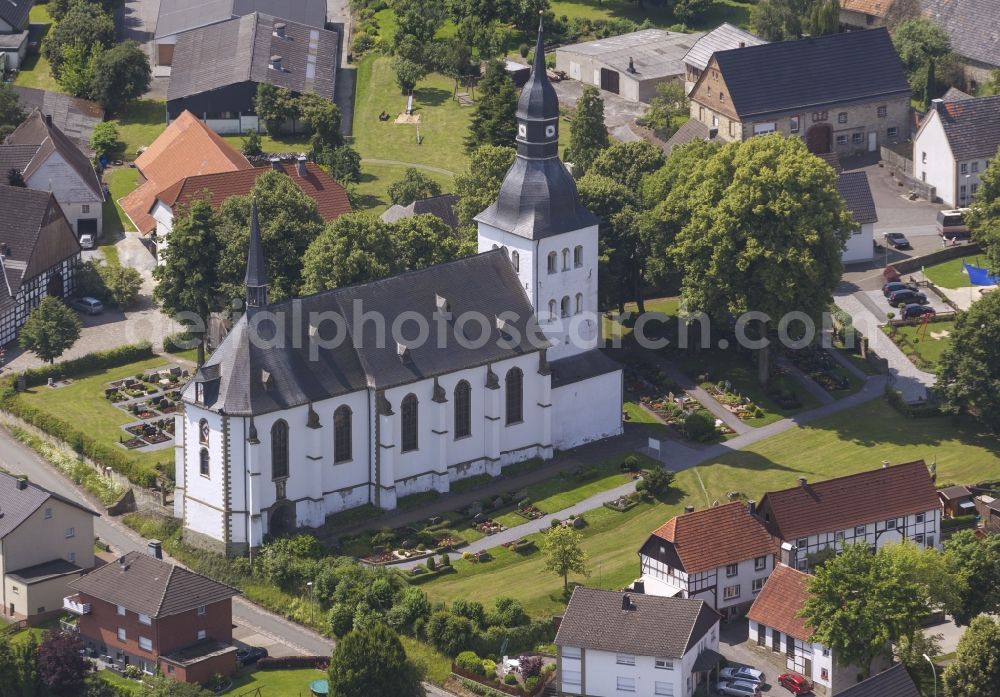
980,277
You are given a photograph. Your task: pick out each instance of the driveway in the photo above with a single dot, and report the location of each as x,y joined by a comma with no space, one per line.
618,113
734,648
878,304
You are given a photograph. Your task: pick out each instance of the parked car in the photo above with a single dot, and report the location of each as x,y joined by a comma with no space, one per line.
892,286
745,673
951,224
738,688
87,305
907,296
795,683
250,655
87,241
914,310
896,240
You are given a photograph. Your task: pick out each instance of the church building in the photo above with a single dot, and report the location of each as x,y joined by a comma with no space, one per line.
365,394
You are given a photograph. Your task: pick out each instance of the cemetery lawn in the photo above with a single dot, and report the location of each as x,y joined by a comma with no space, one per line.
854,440
82,404
951,274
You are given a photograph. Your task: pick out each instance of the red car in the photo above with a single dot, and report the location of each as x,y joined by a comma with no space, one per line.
795,683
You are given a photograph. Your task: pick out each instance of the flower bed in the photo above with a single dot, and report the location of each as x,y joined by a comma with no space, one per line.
157,438
621,504
133,443
530,511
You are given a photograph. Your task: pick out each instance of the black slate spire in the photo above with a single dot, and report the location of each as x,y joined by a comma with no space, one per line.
256,278
538,197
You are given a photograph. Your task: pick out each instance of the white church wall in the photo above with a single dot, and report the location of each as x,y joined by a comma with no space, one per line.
202,495
491,238
567,281
602,417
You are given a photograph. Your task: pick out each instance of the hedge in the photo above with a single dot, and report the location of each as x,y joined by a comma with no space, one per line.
418,579
961,521
101,360
293,662
519,639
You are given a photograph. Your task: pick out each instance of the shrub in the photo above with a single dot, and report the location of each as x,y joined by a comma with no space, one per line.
531,666
489,667
449,633
470,662
699,426
445,560
293,662
555,523
510,679
656,481
431,564
531,683
631,463
181,341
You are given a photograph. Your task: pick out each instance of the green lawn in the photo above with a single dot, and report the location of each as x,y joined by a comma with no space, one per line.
731,11
852,441
443,123
933,340
951,274
82,403
271,683
372,194
35,71
638,415
298,142
139,124
120,181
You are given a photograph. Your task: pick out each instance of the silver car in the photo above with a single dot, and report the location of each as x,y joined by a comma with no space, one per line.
745,673
88,305
738,688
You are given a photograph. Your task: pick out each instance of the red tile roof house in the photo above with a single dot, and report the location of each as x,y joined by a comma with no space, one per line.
146,612
330,197
876,507
721,555
776,628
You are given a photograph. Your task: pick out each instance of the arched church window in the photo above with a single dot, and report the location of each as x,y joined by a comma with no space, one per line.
203,462
463,409
552,262
279,449
565,306
203,432
342,434
565,260
515,393
515,260
552,310
408,418
578,256
579,303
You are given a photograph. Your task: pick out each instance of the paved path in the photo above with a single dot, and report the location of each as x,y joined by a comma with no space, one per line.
677,457
808,384
696,391
429,168
20,459
846,363
911,382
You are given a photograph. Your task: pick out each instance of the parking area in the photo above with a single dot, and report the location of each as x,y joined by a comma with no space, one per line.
249,637
734,648
879,304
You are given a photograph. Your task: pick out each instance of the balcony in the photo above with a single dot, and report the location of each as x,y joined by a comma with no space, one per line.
74,604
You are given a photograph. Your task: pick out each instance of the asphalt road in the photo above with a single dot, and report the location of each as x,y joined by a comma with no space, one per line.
19,459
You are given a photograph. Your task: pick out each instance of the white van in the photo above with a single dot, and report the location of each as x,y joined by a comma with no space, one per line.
951,224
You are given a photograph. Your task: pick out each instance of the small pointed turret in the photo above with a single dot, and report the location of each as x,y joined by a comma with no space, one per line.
538,109
256,278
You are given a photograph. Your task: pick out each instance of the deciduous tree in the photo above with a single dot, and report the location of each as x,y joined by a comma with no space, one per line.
50,330
969,370
121,74
983,217
104,139
188,279
859,602
627,163
669,103
975,568
564,553
413,186
11,113
765,234
372,663
274,105
975,672
588,135
344,164
408,73
479,186
85,23
322,117
919,41
61,663
494,121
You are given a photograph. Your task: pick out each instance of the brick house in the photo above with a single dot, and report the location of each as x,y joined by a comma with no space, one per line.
722,555
843,93
876,507
46,541
143,611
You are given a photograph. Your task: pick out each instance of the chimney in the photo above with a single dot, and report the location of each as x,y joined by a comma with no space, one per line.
403,351
802,481
442,304
627,603
22,482
743,44
938,105
279,30
155,549
301,160
885,464
631,65
752,507
689,509
276,63
275,163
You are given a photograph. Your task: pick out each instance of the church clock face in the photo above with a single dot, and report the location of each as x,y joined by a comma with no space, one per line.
550,131
522,130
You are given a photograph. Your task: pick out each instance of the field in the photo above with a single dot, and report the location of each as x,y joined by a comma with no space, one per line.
82,404
852,441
